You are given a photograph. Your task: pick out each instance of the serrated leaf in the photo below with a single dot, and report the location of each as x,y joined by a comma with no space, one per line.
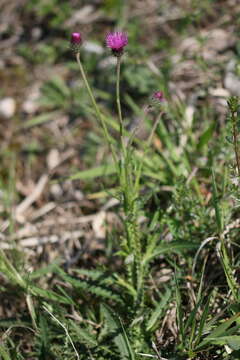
119,335
42,271
90,287
100,276
83,334
229,139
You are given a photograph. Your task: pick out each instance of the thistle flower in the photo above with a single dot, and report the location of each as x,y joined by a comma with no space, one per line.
76,41
117,41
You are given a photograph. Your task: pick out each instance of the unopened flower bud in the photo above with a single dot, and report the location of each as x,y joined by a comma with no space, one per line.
157,100
158,95
76,41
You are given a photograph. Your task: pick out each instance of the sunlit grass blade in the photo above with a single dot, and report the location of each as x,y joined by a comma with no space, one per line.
156,314
219,331
175,246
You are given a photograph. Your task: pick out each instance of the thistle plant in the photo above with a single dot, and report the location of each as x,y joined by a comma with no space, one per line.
128,166
137,248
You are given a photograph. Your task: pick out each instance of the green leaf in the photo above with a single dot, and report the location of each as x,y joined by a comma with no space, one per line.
179,310
10,272
229,139
219,331
158,311
102,277
91,287
84,335
50,295
203,320
41,119
206,136
41,272
4,353
101,170
119,335
168,248
232,341
223,327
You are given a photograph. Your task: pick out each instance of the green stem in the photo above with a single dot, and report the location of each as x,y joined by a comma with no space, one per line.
235,143
121,127
96,108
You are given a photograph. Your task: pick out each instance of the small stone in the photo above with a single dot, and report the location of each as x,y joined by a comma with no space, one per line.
53,159
7,107
219,40
219,92
31,103
56,191
36,33
232,83
190,46
92,47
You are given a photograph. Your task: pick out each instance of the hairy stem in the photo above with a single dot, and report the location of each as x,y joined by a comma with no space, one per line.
235,141
121,127
96,108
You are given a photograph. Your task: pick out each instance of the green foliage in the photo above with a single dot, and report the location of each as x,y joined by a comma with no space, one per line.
91,286
116,330
4,353
139,79
177,190
186,216
58,12
43,53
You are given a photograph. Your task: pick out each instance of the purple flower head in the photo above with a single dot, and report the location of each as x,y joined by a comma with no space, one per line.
76,38
116,41
158,95
76,41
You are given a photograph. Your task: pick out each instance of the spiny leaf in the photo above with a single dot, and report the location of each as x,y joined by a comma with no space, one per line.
41,272
83,334
120,338
100,276
91,287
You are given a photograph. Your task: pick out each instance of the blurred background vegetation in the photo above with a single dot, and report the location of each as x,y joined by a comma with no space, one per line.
186,48
56,179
